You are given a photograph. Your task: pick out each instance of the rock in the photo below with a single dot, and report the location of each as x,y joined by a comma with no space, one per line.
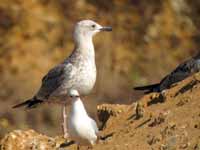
27,140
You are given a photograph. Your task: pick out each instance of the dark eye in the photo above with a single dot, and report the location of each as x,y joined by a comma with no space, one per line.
93,26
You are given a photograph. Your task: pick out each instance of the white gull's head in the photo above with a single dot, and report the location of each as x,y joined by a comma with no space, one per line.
73,93
88,28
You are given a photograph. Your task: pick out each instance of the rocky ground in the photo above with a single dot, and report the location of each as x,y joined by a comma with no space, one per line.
170,121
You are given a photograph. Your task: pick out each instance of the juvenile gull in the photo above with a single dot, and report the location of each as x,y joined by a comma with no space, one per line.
81,128
78,71
181,72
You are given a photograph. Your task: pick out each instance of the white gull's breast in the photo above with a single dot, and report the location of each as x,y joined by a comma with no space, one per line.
82,78
87,77
80,127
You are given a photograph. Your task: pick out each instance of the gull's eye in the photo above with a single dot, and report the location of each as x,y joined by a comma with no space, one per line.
93,26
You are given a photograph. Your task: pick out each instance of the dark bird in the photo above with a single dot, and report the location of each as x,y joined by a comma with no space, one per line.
182,71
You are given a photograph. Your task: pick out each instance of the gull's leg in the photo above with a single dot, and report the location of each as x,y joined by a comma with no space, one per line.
64,125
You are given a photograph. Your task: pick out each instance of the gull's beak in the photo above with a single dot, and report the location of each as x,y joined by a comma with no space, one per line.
106,29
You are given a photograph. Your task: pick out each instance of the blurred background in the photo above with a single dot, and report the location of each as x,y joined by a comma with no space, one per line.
149,39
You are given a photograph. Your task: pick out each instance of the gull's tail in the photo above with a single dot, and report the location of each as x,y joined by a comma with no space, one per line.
30,103
148,88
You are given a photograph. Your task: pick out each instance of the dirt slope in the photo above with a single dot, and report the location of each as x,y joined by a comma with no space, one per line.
157,122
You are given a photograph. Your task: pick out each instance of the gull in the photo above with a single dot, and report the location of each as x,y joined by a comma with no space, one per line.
81,128
182,71
78,71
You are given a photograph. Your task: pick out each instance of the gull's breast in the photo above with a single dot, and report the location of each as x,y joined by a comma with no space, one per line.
86,77
81,130
82,77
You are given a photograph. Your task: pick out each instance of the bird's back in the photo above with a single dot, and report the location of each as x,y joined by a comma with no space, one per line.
181,72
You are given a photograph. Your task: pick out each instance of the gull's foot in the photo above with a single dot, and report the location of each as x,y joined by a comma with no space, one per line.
66,135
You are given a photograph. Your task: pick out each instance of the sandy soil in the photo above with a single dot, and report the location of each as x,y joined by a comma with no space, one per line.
156,122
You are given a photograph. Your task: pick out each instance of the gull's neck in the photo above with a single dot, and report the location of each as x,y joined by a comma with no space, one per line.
84,45
77,108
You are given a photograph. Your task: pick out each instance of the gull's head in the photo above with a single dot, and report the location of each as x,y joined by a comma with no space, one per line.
88,28
74,93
